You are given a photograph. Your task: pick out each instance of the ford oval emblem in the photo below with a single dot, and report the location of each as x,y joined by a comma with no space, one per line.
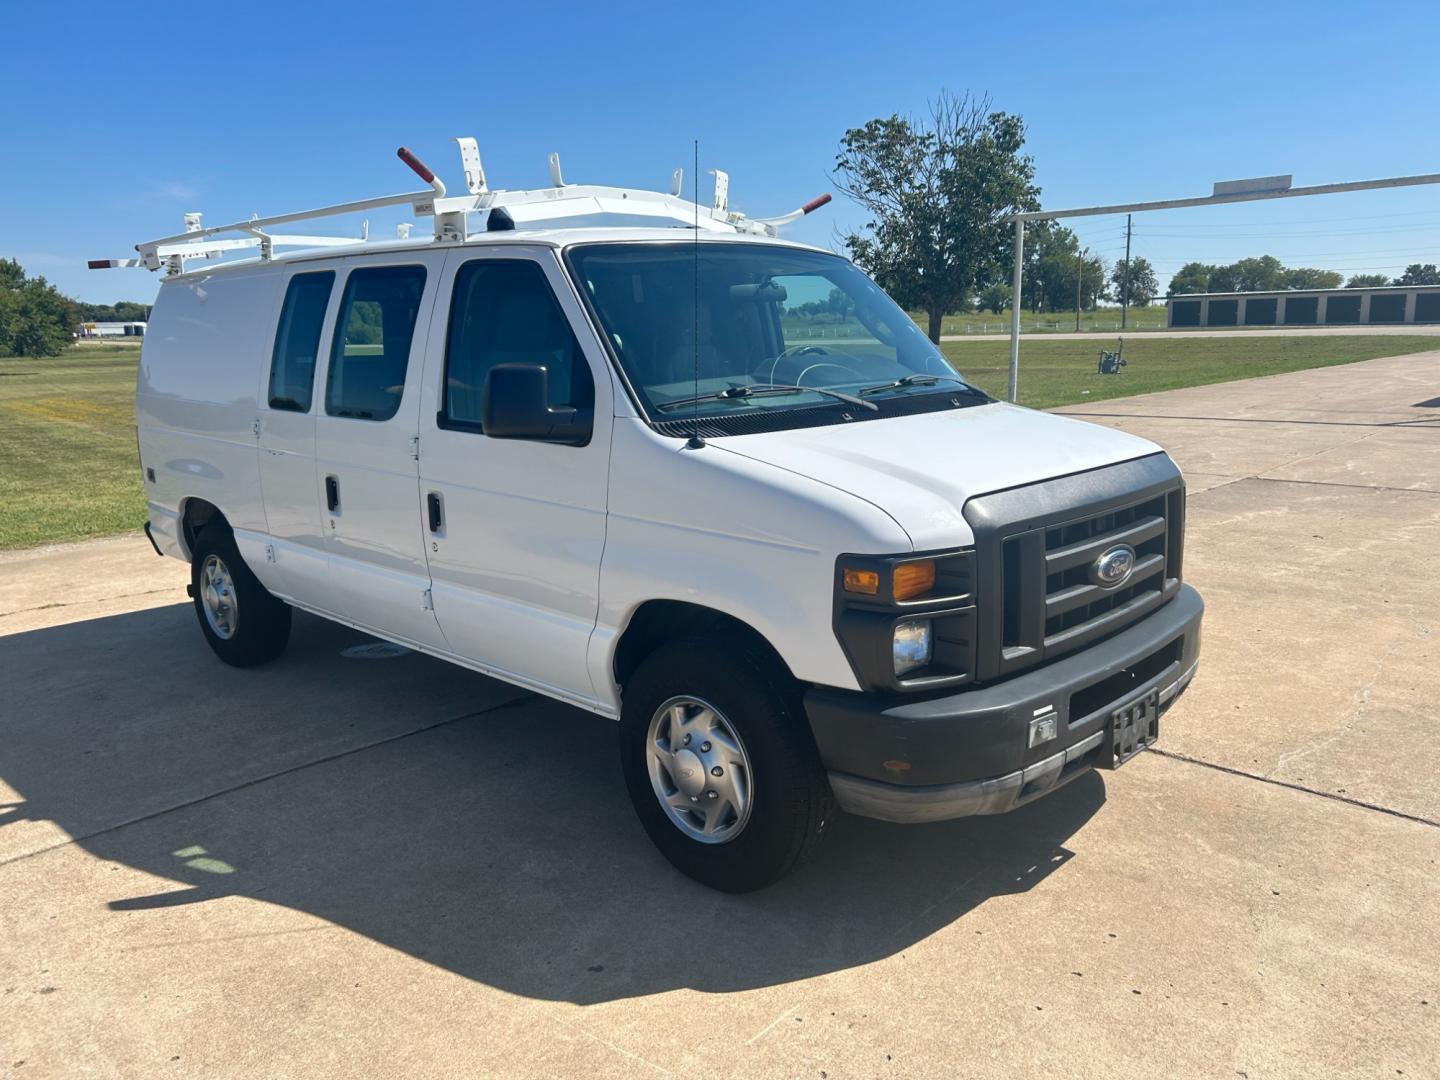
1113,567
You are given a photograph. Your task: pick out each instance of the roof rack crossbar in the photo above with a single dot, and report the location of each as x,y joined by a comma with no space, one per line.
558,203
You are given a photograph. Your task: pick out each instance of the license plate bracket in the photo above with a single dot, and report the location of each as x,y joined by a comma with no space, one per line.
1133,727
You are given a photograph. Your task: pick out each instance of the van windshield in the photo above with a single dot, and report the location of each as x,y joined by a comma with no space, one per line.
768,321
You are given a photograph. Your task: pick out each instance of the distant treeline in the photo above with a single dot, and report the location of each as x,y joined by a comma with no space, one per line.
37,319
1268,274
124,311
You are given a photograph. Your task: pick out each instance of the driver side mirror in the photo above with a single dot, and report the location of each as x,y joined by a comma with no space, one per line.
515,404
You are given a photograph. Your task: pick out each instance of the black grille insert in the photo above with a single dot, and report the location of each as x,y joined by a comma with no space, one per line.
1036,550
1073,602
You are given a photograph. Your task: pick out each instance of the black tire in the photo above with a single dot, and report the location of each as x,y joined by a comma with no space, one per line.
261,623
791,804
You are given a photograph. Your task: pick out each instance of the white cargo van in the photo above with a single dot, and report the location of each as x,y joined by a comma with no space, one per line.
644,457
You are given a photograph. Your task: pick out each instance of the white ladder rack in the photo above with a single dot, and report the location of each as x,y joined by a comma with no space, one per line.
560,203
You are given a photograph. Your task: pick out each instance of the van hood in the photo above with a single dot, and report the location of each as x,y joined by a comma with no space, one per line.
920,469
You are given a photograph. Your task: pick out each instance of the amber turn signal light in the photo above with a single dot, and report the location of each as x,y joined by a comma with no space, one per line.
862,581
913,579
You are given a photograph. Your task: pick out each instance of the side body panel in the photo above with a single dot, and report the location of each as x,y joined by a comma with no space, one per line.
195,402
378,572
724,531
515,563
288,477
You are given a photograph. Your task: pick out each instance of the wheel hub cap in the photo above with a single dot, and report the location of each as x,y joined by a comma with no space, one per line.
217,597
689,773
699,770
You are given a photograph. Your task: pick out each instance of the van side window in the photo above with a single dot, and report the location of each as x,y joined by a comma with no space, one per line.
371,349
297,341
504,312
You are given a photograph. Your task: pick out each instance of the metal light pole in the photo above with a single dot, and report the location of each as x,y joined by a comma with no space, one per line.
1125,283
1265,187
1079,280
1015,307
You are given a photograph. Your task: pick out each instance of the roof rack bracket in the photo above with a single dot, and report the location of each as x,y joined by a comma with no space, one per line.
470,164
556,179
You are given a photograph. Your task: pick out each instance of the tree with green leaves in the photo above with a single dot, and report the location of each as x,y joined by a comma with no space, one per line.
1193,277
35,318
1264,273
1367,281
1415,274
12,275
120,311
1136,283
937,193
1053,260
1307,277
994,298
1249,275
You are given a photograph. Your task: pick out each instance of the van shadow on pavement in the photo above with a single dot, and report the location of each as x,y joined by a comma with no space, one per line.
499,845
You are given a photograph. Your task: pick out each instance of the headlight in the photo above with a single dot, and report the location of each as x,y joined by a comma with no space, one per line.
907,621
914,644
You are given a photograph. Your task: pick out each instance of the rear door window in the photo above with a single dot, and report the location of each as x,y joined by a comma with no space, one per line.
297,341
503,311
371,348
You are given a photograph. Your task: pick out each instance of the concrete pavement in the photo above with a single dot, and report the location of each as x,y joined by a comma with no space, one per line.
354,867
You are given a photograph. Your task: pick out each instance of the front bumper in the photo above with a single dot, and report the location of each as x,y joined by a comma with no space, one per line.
966,753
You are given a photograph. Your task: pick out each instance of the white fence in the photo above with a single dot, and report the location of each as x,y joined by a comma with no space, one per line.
1033,326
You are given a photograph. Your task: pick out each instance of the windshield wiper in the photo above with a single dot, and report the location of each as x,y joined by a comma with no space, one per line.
732,393
918,379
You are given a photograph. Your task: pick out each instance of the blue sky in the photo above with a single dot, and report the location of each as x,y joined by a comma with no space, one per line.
116,121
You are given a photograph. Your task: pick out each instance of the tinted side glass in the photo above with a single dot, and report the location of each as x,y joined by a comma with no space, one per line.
371,349
297,341
504,312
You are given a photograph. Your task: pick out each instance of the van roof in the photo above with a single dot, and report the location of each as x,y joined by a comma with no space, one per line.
556,216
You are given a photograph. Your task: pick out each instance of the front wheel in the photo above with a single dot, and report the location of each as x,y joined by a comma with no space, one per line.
720,764
241,621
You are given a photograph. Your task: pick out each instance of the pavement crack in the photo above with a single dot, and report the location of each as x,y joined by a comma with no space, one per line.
1248,419
1358,803
76,603
277,774
1337,484
1361,699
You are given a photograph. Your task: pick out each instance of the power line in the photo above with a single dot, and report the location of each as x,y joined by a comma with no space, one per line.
1429,249
1306,221
1416,226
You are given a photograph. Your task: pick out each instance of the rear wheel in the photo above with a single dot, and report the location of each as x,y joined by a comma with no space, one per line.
720,764
241,621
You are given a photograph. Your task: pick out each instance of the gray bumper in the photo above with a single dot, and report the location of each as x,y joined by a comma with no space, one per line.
940,802
965,753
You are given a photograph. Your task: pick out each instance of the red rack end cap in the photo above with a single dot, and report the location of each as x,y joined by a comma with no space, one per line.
421,170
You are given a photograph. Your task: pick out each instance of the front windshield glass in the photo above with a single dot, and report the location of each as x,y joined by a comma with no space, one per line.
767,320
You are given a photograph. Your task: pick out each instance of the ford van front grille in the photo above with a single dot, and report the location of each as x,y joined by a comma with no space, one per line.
1068,562
1076,604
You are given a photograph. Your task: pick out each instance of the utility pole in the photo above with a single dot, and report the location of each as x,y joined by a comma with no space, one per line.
1079,280
1125,282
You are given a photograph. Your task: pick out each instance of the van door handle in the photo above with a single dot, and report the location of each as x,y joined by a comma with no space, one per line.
437,519
332,493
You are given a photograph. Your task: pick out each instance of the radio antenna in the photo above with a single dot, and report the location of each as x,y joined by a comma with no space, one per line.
696,442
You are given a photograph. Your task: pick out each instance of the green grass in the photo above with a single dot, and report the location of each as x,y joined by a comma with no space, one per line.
68,466
1056,371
